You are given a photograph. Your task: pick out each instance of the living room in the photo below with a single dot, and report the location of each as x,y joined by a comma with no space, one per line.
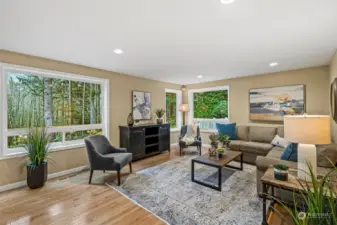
168,119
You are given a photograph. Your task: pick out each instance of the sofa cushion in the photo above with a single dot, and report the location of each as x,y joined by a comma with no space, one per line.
261,134
326,153
242,133
280,131
235,144
227,129
256,147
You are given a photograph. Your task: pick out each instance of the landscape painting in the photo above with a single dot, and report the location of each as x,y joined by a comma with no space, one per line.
272,104
141,105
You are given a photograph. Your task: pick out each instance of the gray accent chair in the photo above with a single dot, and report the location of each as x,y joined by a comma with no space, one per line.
196,143
103,156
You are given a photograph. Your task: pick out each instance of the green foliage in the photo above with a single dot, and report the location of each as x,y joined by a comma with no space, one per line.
224,139
320,199
171,107
209,105
160,113
281,167
37,146
71,103
220,151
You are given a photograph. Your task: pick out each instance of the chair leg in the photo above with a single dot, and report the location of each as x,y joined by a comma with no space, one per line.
130,166
90,176
118,177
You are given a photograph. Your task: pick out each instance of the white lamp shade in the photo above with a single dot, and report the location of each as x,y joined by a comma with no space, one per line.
184,108
307,129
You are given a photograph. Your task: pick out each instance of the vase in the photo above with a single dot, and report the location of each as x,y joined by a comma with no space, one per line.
130,120
159,121
37,175
281,174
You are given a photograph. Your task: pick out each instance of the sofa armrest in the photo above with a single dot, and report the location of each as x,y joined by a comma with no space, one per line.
263,163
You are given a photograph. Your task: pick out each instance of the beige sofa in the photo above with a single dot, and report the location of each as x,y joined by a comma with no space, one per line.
254,141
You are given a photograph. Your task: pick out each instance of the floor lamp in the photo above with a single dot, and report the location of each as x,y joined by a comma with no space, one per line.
184,108
307,131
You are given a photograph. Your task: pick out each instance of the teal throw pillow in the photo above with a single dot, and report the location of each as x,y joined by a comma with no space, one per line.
227,129
290,154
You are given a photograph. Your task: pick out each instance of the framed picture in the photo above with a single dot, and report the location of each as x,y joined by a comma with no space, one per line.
141,105
272,104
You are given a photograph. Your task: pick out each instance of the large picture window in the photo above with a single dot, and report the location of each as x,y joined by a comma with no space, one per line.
173,115
209,106
71,107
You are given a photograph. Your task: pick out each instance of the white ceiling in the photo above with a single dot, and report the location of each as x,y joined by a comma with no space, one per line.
174,40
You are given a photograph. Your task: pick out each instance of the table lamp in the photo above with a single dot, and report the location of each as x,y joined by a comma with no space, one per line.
307,131
184,108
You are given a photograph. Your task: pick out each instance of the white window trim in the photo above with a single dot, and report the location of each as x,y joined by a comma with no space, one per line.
191,102
178,102
4,132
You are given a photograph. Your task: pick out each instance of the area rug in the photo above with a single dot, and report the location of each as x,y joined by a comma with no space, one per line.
167,191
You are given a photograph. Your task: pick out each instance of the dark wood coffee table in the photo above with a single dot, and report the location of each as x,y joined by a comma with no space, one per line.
218,163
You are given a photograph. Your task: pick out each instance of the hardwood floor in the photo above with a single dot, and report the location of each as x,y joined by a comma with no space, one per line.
71,200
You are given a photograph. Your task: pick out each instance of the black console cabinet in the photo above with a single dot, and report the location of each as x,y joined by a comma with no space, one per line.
145,140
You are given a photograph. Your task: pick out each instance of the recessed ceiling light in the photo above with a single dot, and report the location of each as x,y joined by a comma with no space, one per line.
227,1
200,76
118,51
273,64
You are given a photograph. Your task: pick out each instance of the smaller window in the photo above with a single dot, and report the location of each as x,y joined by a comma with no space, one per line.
209,106
173,115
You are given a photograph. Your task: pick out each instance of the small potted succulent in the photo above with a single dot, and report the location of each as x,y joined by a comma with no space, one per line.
281,172
160,113
220,152
214,140
224,139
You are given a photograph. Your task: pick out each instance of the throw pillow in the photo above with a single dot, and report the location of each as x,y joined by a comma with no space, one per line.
281,142
227,129
290,154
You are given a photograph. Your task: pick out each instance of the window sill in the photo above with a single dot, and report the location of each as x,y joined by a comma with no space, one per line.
174,129
67,146
209,131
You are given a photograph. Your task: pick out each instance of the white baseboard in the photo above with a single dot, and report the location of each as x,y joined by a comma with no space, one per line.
174,145
50,176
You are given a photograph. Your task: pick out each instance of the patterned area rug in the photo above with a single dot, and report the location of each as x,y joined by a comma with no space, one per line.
167,191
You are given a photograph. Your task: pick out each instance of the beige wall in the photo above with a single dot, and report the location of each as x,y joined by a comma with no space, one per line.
120,105
315,79
333,75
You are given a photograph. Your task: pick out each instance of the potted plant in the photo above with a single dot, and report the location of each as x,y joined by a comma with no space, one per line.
281,172
160,113
37,150
220,152
214,140
224,139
